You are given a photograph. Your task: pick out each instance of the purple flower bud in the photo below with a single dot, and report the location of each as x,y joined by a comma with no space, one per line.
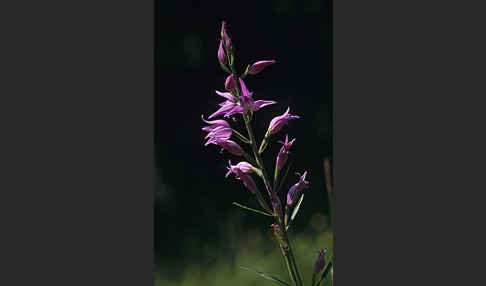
224,36
226,95
242,171
277,230
280,121
284,151
230,83
243,167
221,54
276,204
230,146
319,264
259,66
249,183
295,191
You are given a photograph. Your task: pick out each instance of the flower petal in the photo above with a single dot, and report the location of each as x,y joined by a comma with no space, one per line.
261,103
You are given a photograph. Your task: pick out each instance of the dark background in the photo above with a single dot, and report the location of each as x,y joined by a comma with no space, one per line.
192,198
77,142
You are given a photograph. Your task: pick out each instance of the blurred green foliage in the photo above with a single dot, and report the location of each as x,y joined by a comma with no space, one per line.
255,249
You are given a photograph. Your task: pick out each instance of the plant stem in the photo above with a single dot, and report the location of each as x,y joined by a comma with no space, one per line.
292,261
286,250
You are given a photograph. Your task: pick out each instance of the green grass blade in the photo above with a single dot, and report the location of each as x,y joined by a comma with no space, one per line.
326,270
267,276
250,209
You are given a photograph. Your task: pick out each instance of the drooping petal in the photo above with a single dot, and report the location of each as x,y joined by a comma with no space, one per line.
261,103
226,107
226,95
234,110
216,123
220,133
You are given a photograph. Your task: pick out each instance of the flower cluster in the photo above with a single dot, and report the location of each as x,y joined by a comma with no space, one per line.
238,99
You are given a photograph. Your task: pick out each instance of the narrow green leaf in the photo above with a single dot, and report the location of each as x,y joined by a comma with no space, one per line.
240,136
250,209
266,276
297,207
294,212
326,270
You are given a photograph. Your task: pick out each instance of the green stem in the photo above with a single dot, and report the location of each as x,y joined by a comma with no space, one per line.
256,154
294,263
287,250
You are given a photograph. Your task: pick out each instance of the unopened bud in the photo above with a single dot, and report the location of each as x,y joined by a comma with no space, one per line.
222,58
225,37
319,264
230,83
259,66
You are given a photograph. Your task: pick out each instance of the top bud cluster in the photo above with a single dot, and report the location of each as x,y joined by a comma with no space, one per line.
239,100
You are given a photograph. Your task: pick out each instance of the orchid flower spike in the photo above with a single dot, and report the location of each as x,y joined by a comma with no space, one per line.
284,151
295,191
242,173
259,66
222,58
320,262
230,83
280,121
